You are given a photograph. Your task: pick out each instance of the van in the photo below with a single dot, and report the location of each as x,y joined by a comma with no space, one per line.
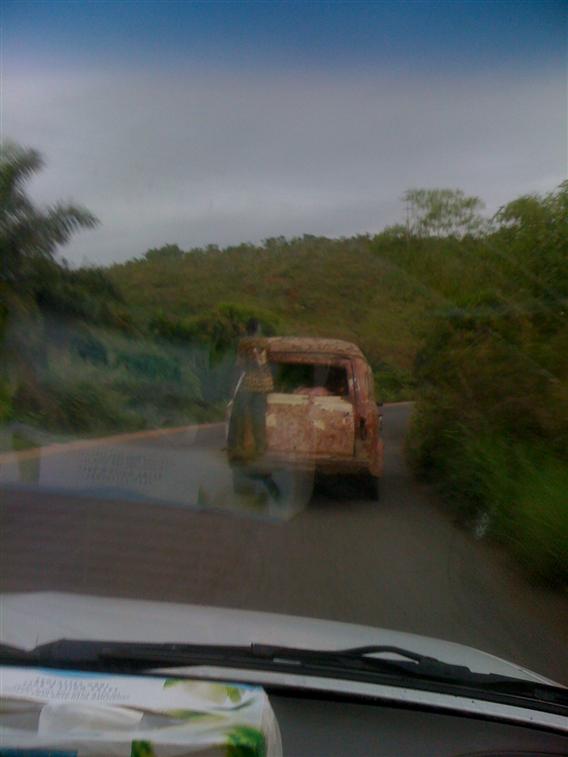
321,415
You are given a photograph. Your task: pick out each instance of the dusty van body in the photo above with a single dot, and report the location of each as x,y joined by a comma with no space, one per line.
322,414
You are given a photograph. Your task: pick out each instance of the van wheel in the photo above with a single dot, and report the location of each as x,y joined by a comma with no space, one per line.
371,487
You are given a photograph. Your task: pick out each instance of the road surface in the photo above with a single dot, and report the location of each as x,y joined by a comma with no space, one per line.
400,563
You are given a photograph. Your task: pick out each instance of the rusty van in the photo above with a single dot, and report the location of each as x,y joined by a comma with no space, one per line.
321,413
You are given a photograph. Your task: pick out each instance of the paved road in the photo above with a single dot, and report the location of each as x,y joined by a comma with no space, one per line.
400,563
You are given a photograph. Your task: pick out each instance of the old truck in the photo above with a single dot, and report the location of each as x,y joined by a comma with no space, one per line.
321,416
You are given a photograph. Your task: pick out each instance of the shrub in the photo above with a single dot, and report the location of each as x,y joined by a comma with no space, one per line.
393,384
91,349
159,402
519,490
148,365
540,535
74,405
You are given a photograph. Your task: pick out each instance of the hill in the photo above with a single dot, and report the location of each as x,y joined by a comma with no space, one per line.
311,286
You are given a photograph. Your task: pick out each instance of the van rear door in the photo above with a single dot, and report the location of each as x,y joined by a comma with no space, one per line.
311,412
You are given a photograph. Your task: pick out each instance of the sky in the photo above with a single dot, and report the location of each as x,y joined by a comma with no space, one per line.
223,122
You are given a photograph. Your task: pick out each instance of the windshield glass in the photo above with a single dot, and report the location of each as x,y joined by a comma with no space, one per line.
283,323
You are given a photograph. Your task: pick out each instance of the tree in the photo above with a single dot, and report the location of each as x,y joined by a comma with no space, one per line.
166,252
27,233
533,229
29,240
443,212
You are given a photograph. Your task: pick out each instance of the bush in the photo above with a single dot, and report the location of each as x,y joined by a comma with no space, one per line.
74,405
148,365
88,407
91,349
517,490
491,424
393,384
160,402
540,535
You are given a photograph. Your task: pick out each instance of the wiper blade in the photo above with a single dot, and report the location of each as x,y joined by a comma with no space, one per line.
363,663
142,656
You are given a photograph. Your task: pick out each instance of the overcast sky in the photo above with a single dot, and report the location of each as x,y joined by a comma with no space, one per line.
214,122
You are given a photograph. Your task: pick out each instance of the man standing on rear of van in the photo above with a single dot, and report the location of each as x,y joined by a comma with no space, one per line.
250,400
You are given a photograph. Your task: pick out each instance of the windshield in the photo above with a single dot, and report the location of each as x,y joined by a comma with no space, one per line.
283,325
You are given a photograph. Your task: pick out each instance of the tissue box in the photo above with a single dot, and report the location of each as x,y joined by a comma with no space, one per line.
49,713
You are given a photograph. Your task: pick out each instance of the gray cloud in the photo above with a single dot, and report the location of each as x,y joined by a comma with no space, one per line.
194,158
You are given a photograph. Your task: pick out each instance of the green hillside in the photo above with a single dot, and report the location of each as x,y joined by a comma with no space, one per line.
307,286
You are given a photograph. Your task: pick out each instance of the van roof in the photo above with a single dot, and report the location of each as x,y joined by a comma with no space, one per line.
298,344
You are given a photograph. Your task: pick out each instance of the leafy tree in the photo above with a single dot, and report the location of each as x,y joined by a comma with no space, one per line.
29,240
167,252
27,233
534,231
443,212
394,232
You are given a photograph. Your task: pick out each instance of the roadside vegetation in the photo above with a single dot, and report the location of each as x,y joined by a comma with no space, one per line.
464,315
491,418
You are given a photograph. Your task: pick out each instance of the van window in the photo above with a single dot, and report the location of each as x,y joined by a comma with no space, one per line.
311,379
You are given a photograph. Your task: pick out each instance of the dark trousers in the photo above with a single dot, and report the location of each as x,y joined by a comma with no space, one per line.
248,406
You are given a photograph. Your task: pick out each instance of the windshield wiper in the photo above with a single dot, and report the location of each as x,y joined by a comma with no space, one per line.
363,663
139,656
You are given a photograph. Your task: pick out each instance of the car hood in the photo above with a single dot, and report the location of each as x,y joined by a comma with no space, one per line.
29,619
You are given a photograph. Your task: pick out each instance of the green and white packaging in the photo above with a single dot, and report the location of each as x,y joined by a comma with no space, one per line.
73,714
